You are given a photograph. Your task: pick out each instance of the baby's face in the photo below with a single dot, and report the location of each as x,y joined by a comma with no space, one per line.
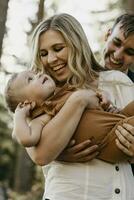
34,87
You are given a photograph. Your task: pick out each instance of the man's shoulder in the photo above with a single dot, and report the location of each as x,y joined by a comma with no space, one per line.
114,75
131,75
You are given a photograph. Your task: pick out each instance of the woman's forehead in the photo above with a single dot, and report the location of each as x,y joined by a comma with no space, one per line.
50,37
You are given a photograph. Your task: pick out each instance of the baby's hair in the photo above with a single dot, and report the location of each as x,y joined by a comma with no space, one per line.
11,95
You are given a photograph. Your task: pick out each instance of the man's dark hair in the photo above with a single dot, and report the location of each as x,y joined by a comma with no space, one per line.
127,23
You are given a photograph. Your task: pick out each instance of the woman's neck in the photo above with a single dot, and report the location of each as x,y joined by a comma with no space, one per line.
60,84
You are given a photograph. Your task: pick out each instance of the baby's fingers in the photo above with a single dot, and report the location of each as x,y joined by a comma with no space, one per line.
20,105
26,102
32,104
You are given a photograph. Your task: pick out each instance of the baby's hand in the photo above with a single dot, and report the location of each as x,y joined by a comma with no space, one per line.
104,99
105,102
113,109
24,108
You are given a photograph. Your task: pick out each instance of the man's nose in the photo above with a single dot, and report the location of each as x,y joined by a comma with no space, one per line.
51,57
118,54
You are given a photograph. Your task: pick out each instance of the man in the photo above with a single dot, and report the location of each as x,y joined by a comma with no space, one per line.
119,47
118,55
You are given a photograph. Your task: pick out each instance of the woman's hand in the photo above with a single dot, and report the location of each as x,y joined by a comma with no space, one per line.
82,152
125,141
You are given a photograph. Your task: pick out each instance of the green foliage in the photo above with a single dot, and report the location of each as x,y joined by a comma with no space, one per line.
7,147
9,154
36,193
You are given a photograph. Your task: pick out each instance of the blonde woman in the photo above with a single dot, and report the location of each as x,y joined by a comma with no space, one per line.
61,49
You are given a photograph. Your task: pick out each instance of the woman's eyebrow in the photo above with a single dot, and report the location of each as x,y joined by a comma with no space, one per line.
41,50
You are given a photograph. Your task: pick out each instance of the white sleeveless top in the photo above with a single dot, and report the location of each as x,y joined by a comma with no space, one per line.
94,180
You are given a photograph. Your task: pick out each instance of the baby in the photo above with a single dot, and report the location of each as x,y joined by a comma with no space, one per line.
35,100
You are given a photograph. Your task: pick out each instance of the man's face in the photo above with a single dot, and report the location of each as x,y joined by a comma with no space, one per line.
119,51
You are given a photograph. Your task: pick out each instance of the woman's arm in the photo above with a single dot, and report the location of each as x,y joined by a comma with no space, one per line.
121,90
57,133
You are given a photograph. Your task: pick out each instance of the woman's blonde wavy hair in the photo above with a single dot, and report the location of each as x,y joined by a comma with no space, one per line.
81,61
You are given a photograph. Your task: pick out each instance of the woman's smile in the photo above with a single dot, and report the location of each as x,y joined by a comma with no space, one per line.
59,67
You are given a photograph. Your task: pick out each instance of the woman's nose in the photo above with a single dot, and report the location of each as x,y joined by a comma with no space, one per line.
51,57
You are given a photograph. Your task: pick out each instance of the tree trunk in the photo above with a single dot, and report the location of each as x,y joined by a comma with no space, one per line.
24,173
40,15
41,10
128,5
3,16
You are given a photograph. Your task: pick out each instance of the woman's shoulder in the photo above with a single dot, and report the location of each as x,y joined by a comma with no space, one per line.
114,75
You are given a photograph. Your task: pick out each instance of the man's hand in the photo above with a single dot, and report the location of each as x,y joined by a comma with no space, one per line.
82,152
125,140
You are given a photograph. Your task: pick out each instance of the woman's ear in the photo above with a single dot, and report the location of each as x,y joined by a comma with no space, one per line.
108,34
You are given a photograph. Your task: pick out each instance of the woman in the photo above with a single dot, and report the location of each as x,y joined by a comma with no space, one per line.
61,49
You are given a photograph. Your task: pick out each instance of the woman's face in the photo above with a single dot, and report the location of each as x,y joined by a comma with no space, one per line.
53,52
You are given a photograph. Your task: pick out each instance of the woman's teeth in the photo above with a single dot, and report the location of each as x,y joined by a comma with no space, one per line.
58,67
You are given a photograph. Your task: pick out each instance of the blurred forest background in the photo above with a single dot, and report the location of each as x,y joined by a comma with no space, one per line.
20,178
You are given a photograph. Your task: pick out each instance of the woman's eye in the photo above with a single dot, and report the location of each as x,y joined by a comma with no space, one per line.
43,54
58,49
